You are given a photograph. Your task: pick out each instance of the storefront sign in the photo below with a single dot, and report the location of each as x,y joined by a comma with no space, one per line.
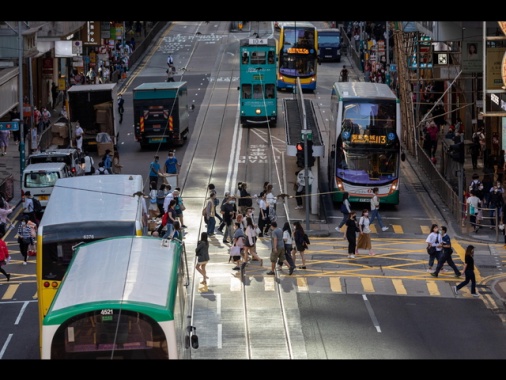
92,34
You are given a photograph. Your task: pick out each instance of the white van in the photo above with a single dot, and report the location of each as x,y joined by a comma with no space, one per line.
39,179
69,155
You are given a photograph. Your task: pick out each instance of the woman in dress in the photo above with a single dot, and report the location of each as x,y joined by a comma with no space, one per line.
250,240
364,239
202,252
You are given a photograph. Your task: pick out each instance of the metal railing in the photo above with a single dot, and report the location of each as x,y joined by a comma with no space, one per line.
444,183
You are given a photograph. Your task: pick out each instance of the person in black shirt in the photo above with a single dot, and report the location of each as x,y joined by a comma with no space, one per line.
351,234
468,272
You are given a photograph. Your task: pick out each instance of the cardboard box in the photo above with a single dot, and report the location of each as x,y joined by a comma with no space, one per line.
56,140
103,116
56,127
102,147
63,132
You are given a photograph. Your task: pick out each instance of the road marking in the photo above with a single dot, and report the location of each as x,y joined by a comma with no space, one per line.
399,286
9,294
335,284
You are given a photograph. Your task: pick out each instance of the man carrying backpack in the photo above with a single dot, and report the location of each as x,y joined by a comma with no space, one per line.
476,186
30,205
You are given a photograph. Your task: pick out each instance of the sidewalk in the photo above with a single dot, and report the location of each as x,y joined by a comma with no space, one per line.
10,164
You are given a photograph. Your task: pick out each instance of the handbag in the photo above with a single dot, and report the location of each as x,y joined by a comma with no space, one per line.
235,251
431,250
182,207
258,230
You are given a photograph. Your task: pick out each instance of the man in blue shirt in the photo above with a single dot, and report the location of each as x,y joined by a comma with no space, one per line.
108,161
154,170
171,164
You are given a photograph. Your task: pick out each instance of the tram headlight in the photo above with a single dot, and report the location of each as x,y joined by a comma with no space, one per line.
258,111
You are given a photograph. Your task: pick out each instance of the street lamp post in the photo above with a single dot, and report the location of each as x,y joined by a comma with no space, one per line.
20,106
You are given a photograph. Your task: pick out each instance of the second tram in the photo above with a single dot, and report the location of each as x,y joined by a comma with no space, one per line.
258,95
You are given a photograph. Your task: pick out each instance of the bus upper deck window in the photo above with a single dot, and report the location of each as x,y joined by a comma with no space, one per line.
245,58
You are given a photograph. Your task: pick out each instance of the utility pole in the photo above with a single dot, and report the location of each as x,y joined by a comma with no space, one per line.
20,106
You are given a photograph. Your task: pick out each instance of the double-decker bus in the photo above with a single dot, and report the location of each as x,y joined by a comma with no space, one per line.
365,149
80,210
258,101
329,44
298,55
122,298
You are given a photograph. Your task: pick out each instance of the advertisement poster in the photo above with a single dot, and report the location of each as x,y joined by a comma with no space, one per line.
472,57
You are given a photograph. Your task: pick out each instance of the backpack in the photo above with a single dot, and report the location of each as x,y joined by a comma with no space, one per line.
101,170
477,188
37,207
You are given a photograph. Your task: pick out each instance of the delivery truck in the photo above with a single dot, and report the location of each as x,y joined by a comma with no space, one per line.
161,113
94,106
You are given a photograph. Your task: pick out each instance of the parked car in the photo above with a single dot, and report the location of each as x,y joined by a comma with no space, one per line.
69,156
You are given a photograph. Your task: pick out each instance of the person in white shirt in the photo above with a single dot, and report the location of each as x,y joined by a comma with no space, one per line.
472,207
375,209
88,164
167,200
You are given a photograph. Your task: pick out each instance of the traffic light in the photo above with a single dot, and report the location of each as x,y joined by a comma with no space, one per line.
300,155
310,158
458,153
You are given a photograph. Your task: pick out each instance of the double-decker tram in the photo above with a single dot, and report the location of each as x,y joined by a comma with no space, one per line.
258,94
122,298
365,150
80,210
298,55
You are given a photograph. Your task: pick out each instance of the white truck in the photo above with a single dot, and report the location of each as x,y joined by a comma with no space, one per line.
95,107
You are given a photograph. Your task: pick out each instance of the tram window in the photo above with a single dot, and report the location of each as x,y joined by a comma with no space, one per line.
258,58
257,91
245,58
270,57
269,91
246,91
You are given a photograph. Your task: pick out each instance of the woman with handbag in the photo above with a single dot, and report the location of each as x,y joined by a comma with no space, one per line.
434,246
237,247
250,241
24,237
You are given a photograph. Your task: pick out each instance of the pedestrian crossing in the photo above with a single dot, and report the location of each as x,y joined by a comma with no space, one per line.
301,283
397,229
